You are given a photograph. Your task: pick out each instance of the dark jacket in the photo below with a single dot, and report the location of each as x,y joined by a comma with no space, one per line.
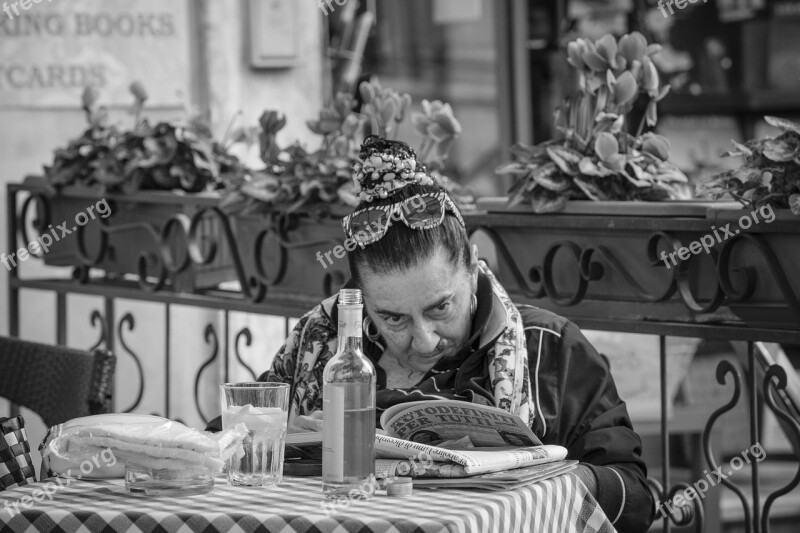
583,412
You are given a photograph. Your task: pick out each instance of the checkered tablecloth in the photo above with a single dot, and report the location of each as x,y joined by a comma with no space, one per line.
559,504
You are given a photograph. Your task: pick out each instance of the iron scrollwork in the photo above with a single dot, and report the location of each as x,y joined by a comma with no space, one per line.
103,340
277,231
211,338
129,321
594,262
248,339
774,382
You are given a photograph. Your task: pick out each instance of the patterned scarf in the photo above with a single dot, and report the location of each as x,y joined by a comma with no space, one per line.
301,362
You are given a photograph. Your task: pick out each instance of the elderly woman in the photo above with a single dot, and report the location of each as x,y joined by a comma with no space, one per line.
438,325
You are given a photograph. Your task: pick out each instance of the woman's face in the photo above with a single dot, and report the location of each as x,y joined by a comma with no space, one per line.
423,313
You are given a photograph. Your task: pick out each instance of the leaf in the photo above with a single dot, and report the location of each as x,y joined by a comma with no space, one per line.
512,168
547,176
588,167
782,123
517,193
546,202
779,150
590,189
747,174
742,148
566,159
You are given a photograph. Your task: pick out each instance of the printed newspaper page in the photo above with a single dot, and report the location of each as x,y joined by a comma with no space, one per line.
473,461
431,422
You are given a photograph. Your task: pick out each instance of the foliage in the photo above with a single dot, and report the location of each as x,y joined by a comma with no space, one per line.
296,178
164,156
770,173
594,156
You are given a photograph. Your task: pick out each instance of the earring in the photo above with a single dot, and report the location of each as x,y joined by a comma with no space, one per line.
473,304
367,325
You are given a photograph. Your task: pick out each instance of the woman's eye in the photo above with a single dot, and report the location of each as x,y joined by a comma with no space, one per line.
441,308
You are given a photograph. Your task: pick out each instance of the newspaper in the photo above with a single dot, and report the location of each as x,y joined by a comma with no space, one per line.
507,480
466,462
432,422
453,439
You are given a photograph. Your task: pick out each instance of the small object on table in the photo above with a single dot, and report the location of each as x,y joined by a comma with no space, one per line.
399,486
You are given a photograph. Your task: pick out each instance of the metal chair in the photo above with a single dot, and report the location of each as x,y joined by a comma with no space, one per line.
55,382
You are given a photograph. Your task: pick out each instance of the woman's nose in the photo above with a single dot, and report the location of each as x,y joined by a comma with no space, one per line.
425,340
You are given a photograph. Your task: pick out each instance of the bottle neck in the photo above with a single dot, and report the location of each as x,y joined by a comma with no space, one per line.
350,328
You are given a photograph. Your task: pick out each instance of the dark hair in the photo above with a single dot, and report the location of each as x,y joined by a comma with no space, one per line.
403,248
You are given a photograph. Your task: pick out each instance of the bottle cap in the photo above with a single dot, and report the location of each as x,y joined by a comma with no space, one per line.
350,297
399,486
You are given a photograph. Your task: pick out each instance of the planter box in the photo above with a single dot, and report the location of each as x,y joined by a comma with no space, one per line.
166,239
146,234
670,208
603,266
292,256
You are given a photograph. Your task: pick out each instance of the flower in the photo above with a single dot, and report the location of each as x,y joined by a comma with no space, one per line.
632,47
595,155
296,178
657,145
439,128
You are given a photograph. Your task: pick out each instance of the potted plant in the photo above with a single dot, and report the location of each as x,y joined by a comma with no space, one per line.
623,251
287,212
765,228
156,179
770,173
598,154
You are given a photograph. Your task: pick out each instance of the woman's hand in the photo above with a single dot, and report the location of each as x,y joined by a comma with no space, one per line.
305,423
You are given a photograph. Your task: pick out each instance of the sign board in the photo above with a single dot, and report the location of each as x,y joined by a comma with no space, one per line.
51,49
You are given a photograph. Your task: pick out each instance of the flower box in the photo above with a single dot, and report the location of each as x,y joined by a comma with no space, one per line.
290,256
597,265
145,234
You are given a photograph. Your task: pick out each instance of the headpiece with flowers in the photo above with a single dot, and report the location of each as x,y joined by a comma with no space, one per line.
594,156
385,167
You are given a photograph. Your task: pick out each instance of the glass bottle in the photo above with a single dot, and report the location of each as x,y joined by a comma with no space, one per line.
348,412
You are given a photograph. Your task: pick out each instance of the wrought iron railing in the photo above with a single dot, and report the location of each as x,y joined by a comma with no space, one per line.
604,273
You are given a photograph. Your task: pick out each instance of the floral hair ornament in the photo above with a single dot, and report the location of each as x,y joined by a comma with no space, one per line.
385,167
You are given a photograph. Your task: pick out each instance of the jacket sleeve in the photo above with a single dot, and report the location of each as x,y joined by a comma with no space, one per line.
584,413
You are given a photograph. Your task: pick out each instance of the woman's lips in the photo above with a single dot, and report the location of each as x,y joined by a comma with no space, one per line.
435,355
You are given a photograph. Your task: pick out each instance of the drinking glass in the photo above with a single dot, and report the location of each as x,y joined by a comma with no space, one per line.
263,409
